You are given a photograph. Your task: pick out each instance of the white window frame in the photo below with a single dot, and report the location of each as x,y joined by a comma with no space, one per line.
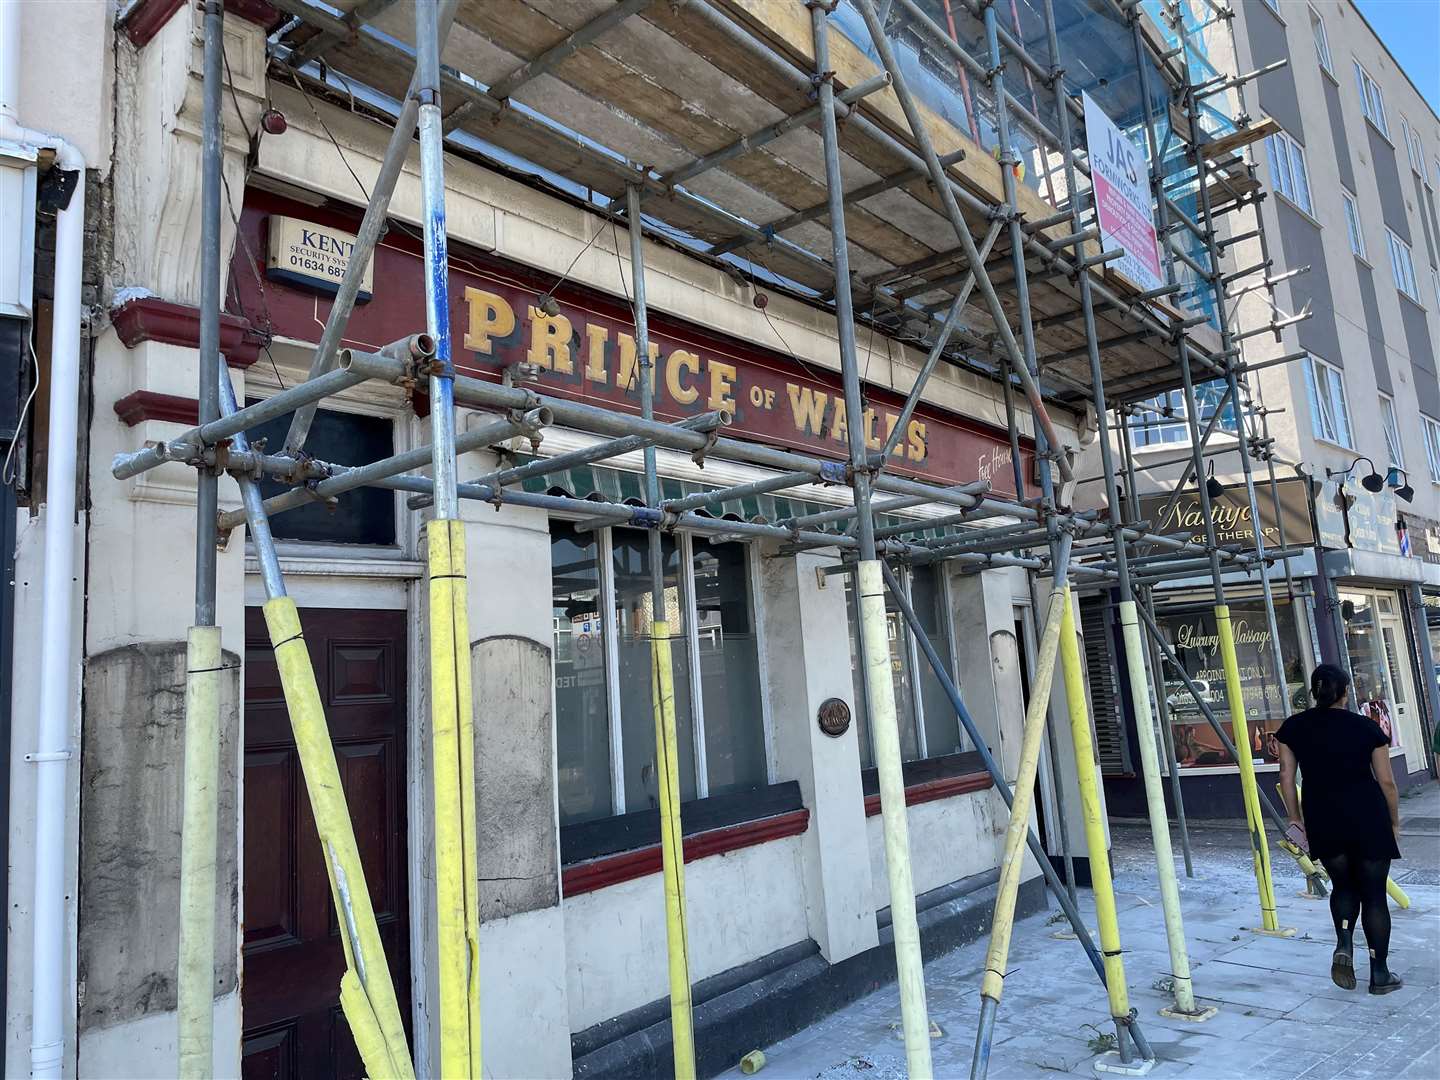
1414,148
1321,381
1353,226
1394,448
1372,101
1273,5
1402,265
605,553
1322,42
1435,281
1432,445
1286,157
1150,432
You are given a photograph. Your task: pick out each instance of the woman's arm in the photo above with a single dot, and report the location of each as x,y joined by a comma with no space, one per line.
1288,792
1380,766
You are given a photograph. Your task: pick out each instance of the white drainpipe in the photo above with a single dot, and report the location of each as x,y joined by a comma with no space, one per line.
57,660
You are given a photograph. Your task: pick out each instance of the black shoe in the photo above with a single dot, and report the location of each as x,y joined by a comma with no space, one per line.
1342,969
1385,984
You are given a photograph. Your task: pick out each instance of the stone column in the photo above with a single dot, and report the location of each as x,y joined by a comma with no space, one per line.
807,643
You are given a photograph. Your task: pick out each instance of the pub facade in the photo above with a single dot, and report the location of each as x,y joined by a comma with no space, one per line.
785,876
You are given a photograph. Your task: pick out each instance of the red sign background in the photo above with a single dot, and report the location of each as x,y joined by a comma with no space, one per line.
587,352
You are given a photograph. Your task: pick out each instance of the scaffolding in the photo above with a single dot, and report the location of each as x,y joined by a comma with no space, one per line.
967,114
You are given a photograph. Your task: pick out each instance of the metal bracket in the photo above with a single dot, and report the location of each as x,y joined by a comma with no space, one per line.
647,518
711,438
835,472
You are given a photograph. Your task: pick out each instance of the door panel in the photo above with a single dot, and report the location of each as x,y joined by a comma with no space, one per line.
292,951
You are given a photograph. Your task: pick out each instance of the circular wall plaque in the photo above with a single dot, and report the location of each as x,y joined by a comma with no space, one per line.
834,717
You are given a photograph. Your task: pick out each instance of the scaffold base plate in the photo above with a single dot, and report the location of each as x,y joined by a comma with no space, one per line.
1280,931
1199,1016
1109,1063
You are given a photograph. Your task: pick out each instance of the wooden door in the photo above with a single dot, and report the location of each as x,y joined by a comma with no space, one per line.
293,960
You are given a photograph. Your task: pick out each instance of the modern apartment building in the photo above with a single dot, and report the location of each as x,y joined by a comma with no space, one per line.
1349,161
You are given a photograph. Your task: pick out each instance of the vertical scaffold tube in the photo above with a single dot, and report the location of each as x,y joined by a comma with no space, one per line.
451,711
1012,860
195,984
1155,805
662,687
1244,758
1095,845
884,730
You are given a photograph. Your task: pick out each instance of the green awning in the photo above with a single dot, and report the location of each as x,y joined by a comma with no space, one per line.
601,484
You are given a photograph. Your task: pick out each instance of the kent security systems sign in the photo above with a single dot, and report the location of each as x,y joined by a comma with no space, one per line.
582,347
312,256
1122,198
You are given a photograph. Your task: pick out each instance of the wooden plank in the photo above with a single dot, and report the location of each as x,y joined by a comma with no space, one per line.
1217,148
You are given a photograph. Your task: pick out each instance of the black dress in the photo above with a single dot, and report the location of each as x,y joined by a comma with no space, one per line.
1345,810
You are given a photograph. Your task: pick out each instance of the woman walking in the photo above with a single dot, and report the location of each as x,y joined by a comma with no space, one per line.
1351,819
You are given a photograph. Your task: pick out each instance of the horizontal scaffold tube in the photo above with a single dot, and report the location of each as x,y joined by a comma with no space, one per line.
344,478
190,443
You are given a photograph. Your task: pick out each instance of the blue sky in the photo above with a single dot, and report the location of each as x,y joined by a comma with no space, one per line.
1411,31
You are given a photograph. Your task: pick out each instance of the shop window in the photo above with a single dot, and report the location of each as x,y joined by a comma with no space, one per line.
362,516
929,727
1103,677
1329,411
1378,648
1188,624
603,606
1161,421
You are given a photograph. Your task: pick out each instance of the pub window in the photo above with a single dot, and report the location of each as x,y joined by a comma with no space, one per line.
929,727
602,607
363,516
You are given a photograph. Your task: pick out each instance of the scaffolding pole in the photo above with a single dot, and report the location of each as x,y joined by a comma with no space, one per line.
874,634
672,846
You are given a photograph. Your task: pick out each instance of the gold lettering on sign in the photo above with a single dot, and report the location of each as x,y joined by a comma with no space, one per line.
596,338
550,342
918,440
722,386
490,316
681,362
626,377
807,409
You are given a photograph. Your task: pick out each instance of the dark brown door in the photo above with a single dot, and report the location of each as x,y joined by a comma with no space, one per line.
293,956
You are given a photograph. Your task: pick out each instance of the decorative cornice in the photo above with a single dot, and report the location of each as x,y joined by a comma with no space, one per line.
933,790
627,865
147,17
145,405
152,319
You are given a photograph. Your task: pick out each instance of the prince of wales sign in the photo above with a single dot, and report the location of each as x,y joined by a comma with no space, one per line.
1122,198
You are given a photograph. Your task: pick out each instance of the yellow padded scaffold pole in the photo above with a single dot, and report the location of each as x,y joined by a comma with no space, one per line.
453,763
672,849
195,981
1095,845
1012,862
366,993
1259,844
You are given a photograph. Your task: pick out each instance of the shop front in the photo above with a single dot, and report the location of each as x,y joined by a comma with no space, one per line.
776,764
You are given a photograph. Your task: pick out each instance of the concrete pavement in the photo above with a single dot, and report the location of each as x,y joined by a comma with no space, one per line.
1279,1016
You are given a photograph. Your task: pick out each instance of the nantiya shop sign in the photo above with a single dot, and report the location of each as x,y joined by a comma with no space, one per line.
1231,514
582,347
308,255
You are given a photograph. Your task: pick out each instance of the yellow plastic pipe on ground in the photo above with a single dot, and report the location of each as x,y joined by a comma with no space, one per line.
1259,844
379,1032
672,849
195,979
1155,808
885,732
1397,894
452,734
1012,861
1099,855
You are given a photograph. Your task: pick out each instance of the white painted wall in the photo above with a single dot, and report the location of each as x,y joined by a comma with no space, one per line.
742,905
950,839
65,83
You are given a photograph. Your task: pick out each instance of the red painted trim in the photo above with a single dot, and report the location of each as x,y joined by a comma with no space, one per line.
152,319
628,865
145,405
258,12
932,790
148,17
